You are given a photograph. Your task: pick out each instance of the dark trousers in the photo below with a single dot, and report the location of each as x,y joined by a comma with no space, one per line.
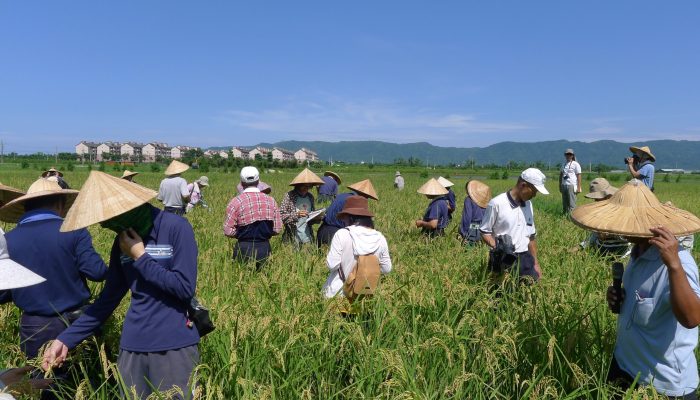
252,250
618,377
175,210
525,263
160,370
325,234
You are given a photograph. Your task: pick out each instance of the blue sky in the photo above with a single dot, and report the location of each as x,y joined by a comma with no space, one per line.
462,73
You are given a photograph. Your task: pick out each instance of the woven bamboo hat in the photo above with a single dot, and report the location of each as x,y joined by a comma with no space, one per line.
479,192
432,188
356,205
176,167
102,197
8,193
600,188
306,177
12,211
365,187
445,182
644,149
333,175
51,171
128,173
632,211
12,274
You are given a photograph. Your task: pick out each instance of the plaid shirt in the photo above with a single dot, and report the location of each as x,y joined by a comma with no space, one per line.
288,210
250,207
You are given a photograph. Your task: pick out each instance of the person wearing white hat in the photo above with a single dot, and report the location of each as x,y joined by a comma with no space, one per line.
196,189
398,181
510,214
252,218
173,189
569,181
641,165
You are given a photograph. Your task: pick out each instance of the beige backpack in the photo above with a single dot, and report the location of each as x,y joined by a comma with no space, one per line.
364,277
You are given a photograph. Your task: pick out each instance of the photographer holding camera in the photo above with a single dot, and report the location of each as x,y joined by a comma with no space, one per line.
510,214
641,165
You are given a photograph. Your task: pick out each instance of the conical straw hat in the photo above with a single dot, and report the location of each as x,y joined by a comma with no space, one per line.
445,182
333,175
479,192
128,173
365,187
432,188
176,167
48,171
102,197
632,211
8,193
12,211
306,177
644,149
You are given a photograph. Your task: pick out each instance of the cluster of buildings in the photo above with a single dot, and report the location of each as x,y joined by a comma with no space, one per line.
150,152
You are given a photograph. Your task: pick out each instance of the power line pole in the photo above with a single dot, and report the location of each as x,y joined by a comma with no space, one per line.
2,152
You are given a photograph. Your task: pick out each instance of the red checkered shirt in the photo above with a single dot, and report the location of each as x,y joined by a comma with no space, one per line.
249,207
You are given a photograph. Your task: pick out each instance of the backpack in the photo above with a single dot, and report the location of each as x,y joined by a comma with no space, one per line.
364,277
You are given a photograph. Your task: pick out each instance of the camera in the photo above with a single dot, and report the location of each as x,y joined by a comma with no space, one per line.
636,159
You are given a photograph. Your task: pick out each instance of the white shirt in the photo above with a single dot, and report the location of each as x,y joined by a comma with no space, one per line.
172,190
569,171
504,216
342,254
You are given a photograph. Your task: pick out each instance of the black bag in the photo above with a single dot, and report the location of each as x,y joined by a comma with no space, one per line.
199,315
503,256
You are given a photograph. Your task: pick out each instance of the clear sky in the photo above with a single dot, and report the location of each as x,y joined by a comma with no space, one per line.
461,73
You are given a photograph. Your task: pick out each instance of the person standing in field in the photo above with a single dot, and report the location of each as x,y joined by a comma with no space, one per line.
154,256
641,165
173,191
57,176
252,217
66,259
569,182
604,243
450,196
329,189
509,219
296,206
398,181
659,299
129,175
196,191
478,197
331,223
357,238
436,215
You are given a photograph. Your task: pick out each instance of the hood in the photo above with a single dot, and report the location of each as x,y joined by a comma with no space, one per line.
365,240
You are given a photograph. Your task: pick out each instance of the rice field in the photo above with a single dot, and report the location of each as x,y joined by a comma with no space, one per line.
432,332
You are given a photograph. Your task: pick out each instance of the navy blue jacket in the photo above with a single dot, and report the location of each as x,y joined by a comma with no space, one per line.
331,217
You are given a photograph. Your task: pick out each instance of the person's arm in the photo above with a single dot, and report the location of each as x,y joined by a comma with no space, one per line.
288,210
684,300
532,248
630,167
432,216
431,224
277,219
160,196
184,192
385,264
486,227
231,218
335,251
90,264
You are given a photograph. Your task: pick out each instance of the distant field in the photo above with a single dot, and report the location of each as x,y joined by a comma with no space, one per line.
432,332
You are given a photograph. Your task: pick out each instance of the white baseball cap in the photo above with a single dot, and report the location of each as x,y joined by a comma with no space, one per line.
536,178
250,175
13,275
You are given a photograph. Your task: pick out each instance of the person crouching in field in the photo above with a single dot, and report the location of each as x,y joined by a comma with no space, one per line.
659,300
450,196
155,257
329,189
508,228
196,191
331,223
57,176
129,175
605,244
252,217
478,197
358,238
436,215
296,206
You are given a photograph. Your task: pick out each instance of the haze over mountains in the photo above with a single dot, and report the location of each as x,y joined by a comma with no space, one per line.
669,153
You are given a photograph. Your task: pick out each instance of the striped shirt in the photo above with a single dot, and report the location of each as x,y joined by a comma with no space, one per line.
248,207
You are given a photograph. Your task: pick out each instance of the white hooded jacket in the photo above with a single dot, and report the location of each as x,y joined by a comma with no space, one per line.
346,245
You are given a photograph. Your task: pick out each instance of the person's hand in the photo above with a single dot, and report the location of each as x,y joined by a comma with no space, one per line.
17,380
614,297
302,213
54,355
419,223
668,246
131,244
538,270
630,161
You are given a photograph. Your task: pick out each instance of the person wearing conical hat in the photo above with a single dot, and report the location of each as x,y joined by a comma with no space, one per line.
450,196
659,301
66,260
252,218
154,257
605,244
57,176
358,238
331,223
129,175
173,192
478,197
329,189
511,214
436,217
296,206
196,191
8,193
641,165
569,181
398,181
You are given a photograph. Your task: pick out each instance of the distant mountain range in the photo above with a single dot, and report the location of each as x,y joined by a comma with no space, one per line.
669,153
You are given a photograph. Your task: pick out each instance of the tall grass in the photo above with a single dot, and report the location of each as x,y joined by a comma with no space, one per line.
434,331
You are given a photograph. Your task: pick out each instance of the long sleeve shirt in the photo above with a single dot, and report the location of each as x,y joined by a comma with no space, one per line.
250,207
162,283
